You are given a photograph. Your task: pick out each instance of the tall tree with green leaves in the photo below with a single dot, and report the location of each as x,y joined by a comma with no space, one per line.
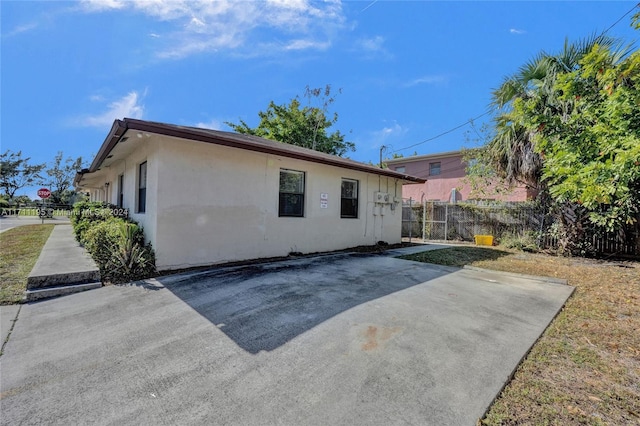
569,124
592,152
304,126
511,149
16,173
61,174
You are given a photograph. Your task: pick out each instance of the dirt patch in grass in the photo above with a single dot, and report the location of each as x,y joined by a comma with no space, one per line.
585,369
19,251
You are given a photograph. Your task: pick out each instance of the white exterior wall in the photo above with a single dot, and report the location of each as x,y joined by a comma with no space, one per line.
218,204
210,204
145,151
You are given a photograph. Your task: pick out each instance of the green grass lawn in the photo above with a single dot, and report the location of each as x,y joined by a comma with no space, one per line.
585,369
19,251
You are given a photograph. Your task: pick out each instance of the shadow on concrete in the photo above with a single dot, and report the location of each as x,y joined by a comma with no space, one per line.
261,307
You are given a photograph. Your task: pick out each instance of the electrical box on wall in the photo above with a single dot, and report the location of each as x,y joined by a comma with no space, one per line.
382,197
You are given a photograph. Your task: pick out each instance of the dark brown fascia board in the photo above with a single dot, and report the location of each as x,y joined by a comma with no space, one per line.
226,139
117,130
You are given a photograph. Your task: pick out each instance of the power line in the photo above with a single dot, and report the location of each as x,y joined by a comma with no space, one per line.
443,133
621,18
487,112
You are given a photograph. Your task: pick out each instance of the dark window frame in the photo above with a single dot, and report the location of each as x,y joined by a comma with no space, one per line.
142,188
291,202
432,166
120,202
349,205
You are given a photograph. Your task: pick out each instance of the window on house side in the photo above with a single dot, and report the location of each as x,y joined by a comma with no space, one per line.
120,203
142,187
349,199
434,169
400,169
291,193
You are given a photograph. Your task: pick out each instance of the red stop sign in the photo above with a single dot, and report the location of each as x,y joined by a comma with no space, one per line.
44,193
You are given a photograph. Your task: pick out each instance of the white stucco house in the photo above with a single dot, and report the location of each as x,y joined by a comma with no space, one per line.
206,197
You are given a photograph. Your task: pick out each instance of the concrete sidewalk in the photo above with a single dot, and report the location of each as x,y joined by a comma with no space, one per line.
8,315
10,222
64,266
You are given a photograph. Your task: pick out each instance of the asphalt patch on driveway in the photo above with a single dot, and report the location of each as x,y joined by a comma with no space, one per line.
341,339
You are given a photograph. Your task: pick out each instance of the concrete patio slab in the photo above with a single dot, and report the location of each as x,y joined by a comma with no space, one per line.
340,339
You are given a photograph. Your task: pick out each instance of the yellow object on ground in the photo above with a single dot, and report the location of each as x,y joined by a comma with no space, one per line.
484,240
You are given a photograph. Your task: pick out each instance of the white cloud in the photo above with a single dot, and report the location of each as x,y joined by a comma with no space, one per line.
371,48
307,44
517,31
22,29
374,44
427,79
127,106
212,124
200,25
102,5
390,132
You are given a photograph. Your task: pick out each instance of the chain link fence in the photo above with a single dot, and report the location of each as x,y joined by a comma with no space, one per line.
441,221
434,220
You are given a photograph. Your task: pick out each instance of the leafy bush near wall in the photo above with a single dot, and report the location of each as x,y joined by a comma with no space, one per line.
115,244
86,213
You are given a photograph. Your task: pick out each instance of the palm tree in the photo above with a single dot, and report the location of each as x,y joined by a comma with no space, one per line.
511,149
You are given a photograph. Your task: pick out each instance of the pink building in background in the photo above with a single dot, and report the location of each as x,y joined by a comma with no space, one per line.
445,174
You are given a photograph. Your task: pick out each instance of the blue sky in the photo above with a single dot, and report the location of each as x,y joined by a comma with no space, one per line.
408,70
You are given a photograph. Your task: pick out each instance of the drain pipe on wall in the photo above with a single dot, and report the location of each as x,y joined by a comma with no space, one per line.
410,218
424,215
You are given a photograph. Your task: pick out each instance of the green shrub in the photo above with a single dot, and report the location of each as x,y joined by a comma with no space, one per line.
526,242
118,248
100,239
115,244
133,260
87,213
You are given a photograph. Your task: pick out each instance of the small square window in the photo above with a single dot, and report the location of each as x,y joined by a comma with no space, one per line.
349,199
434,169
400,169
291,201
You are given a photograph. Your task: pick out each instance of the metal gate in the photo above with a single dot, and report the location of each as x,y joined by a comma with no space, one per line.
411,219
436,221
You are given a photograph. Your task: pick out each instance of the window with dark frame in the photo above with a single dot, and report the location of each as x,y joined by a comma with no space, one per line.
434,169
349,199
142,187
120,203
291,201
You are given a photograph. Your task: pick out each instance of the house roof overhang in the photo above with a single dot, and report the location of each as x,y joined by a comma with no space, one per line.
235,140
